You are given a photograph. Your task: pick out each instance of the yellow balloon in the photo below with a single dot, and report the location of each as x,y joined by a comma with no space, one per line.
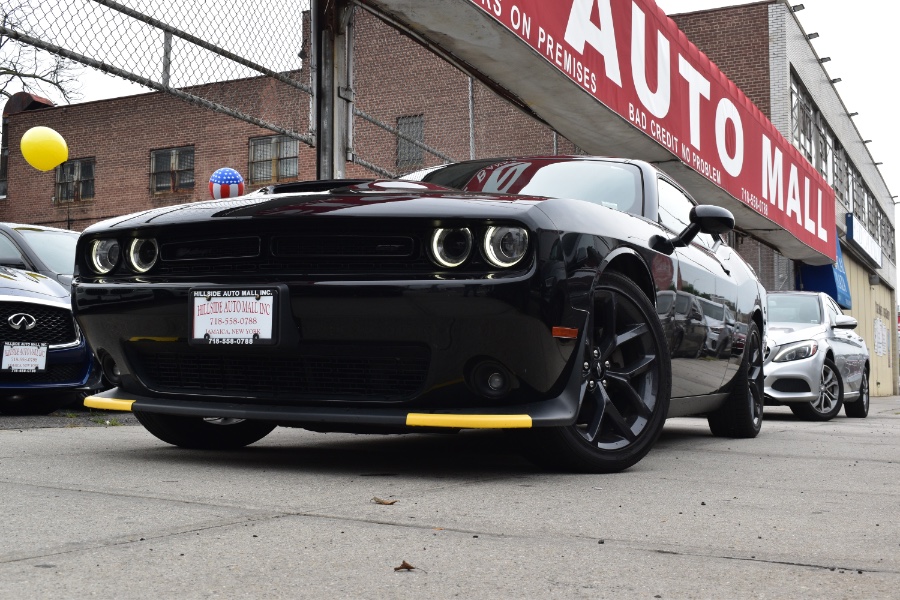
43,148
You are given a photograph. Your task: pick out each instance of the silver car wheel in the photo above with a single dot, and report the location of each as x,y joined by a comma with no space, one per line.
829,392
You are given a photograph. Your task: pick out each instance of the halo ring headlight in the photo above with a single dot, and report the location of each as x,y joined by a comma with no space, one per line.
450,247
505,246
142,254
103,255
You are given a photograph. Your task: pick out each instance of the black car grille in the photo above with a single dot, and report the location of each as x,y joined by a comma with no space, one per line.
241,247
300,252
315,371
61,373
53,325
343,246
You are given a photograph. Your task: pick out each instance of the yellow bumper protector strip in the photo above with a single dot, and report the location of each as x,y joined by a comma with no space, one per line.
469,421
108,403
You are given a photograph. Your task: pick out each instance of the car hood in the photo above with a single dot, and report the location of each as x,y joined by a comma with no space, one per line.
778,334
381,199
16,282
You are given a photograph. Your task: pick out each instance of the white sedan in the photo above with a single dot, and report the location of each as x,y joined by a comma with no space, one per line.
815,363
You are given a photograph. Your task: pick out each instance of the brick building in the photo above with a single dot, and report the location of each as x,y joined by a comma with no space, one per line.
781,73
153,149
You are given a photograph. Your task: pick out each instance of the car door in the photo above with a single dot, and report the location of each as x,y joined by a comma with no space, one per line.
848,346
701,273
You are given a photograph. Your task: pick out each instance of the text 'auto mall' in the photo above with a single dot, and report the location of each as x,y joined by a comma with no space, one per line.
734,103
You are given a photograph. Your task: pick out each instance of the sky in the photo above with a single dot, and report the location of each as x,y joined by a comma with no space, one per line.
860,38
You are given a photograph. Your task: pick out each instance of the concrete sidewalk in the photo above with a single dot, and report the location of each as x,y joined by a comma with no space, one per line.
806,510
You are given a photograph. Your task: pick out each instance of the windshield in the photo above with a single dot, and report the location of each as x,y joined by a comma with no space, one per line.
786,308
614,185
56,249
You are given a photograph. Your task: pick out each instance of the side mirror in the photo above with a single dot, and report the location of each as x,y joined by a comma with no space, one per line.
845,322
705,218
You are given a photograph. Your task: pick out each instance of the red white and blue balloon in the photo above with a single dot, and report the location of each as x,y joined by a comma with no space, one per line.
226,183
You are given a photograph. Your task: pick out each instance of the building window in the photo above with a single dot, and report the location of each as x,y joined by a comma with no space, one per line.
4,158
273,158
409,155
172,170
857,195
841,190
75,181
872,225
802,121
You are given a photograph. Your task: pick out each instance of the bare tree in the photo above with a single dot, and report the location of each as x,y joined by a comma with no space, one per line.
29,69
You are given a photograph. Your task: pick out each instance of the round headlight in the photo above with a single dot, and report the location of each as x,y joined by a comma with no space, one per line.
451,247
142,254
505,246
104,256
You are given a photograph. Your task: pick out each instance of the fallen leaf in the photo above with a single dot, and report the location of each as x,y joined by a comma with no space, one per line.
404,566
378,500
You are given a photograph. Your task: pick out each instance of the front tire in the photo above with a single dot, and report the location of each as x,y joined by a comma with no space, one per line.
625,387
204,434
830,400
860,408
742,414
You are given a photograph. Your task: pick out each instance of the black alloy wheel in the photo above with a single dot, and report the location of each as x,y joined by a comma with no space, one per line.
860,408
830,399
626,385
741,415
204,434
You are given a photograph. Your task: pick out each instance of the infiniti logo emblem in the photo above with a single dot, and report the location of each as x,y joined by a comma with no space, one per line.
21,321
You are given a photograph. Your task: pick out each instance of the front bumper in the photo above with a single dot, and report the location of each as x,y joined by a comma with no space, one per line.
70,368
557,412
398,355
794,381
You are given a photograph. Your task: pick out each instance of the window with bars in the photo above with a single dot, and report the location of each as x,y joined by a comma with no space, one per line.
273,158
4,157
172,170
803,124
75,181
857,195
841,191
825,153
409,155
873,215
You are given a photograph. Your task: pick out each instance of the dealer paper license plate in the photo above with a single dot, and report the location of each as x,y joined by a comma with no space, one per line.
233,316
24,357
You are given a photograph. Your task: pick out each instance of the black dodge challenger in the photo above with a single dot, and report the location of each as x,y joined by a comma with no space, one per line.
547,295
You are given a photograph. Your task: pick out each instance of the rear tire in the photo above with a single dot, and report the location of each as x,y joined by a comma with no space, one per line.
204,434
625,388
830,400
742,414
860,408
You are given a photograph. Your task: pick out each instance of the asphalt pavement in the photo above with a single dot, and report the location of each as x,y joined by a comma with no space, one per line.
96,507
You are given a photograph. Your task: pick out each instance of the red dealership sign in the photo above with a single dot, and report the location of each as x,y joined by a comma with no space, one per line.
631,57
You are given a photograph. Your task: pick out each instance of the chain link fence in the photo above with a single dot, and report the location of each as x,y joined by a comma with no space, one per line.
410,108
241,58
